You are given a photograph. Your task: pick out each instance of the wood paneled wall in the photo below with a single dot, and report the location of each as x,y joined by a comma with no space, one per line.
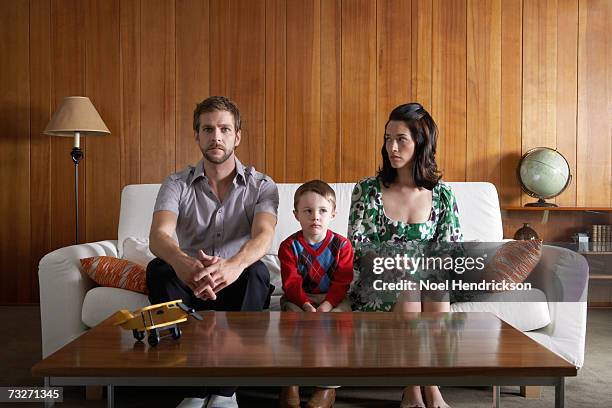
315,80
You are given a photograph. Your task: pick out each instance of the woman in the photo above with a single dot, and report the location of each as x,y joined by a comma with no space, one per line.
405,203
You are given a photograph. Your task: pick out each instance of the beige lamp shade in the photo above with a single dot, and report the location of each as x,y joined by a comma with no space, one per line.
76,114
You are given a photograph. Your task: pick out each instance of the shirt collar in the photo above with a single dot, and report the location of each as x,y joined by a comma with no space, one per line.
199,172
240,171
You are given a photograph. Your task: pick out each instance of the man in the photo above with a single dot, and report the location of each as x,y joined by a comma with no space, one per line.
224,216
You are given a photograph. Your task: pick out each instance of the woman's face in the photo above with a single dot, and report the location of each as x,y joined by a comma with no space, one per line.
399,144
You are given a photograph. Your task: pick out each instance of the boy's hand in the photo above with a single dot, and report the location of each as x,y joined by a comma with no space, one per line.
308,307
325,307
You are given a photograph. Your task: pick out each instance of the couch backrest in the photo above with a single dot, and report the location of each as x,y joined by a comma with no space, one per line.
479,212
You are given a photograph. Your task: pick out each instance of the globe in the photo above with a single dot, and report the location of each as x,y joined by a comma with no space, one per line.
543,173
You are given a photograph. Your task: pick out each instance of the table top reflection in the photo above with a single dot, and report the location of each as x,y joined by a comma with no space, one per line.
277,344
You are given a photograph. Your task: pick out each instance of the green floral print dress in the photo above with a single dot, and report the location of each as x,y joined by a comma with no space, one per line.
369,227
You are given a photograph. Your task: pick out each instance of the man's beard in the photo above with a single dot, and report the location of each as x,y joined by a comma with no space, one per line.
218,160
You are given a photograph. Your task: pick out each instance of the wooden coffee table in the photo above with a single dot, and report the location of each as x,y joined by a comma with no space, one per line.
285,348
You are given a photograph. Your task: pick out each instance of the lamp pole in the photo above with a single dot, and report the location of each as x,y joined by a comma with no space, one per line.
77,155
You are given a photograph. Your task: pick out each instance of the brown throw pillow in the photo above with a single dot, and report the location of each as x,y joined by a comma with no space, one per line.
116,273
514,261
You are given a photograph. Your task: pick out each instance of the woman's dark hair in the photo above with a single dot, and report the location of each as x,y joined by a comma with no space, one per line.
424,133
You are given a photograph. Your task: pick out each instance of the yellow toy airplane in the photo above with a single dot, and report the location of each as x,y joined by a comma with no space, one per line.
152,318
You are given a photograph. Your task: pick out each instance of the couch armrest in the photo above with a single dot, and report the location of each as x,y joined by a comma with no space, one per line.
62,289
563,275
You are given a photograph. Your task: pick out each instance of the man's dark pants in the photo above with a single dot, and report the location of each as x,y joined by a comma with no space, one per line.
250,292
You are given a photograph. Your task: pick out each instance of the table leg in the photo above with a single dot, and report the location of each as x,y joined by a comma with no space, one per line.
560,393
496,396
49,403
110,396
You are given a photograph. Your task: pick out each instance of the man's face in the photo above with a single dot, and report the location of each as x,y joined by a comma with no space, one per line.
217,136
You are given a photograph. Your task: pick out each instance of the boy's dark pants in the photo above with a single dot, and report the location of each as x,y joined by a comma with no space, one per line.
250,292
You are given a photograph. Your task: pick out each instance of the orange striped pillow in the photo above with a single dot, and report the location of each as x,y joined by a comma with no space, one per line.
116,273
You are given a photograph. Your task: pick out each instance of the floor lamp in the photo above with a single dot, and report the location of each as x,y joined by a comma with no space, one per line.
76,117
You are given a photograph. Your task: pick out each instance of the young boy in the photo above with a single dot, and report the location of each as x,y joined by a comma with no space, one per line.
316,263
317,269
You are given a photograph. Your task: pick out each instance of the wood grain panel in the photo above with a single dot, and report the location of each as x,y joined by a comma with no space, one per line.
594,178
314,79
394,67
192,74
422,23
130,91
15,153
539,77
449,86
40,145
303,153
483,90
68,79
567,90
359,136
238,69
157,93
103,183
331,58
511,100
276,89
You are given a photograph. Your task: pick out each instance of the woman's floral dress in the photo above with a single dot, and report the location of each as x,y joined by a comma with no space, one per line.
370,227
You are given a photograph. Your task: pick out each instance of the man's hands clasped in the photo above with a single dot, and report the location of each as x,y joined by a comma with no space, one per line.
206,275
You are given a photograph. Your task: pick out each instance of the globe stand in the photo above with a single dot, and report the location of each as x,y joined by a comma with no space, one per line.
541,203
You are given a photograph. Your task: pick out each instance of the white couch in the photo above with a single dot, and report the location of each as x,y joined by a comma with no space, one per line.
70,302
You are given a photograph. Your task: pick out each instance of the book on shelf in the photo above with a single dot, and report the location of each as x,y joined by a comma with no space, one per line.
601,238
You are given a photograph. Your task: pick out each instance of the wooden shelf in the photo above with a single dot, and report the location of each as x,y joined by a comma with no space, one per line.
517,208
600,277
595,252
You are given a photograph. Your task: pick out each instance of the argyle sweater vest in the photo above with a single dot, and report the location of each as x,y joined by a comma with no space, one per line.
305,270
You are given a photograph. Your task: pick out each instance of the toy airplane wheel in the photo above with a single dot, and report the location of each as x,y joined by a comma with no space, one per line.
175,332
138,335
153,338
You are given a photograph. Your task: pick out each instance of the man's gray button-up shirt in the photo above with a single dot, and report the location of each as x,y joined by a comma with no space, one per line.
218,228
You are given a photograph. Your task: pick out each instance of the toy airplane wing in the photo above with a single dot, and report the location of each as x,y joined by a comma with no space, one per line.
123,317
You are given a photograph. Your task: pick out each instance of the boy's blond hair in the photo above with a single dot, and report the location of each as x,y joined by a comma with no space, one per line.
316,186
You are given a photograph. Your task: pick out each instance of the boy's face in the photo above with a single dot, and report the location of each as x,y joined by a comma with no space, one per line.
314,213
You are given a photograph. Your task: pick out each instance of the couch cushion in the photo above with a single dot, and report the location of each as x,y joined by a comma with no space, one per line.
479,212
136,214
530,313
101,302
137,250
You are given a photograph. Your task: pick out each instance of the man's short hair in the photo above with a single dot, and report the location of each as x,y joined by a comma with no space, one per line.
316,186
216,104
